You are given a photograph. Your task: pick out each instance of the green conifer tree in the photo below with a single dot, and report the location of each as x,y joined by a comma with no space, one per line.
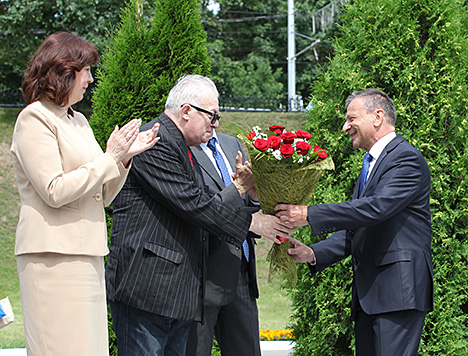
417,52
143,60
122,81
178,43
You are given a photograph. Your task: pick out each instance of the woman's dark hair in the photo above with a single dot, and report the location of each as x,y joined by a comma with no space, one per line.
52,71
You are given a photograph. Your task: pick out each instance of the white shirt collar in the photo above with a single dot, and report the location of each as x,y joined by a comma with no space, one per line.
209,153
379,146
377,149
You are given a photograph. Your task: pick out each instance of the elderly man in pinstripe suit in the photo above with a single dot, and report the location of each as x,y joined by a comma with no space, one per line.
162,217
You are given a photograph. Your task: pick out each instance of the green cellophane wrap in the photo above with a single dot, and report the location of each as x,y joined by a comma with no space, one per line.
287,183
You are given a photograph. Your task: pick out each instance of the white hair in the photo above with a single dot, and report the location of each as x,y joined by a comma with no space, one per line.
187,90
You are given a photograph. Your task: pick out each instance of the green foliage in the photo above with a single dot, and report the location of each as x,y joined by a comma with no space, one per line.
323,302
254,48
143,60
252,77
124,79
417,52
179,43
215,350
25,24
250,37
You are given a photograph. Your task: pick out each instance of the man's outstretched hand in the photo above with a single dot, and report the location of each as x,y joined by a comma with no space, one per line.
292,215
300,252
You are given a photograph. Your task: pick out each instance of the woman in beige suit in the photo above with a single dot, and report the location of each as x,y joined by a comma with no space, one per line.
65,180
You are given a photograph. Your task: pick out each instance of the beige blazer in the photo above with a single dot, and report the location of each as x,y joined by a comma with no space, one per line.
64,181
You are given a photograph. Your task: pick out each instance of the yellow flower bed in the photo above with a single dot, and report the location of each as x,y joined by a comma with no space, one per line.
269,335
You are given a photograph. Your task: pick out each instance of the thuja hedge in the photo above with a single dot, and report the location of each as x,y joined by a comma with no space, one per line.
417,52
155,43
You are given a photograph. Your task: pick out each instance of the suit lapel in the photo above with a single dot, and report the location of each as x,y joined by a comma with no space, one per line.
207,166
390,147
188,158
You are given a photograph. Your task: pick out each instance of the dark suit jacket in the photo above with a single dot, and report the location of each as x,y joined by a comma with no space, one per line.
388,233
159,243
225,258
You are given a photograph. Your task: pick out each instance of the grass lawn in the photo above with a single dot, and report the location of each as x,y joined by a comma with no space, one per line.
274,305
11,336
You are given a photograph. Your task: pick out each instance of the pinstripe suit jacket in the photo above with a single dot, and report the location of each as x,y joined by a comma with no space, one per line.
225,258
161,221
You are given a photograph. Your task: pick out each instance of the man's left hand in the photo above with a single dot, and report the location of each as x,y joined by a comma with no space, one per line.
243,178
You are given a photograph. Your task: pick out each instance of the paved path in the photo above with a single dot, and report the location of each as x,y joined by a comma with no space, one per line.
13,352
269,348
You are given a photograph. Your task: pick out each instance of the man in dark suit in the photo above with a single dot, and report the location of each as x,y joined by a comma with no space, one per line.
386,227
157,263
231,284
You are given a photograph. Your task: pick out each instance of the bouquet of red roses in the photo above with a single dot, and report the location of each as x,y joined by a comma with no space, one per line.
286,168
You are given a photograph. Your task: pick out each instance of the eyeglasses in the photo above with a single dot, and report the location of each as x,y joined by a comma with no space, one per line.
214,116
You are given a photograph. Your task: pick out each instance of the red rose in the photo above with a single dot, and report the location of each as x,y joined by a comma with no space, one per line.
322,154
303,134
302,147
277,129
288,137
286,150
251,135
274,141
261,144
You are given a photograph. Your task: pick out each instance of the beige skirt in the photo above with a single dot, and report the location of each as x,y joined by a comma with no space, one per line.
64,304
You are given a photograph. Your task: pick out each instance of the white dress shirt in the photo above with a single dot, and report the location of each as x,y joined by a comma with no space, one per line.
209,153
377,148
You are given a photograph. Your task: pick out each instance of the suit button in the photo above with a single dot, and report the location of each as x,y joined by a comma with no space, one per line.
98,196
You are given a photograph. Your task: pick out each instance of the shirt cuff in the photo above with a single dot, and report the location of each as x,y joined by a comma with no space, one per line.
315,258
255,203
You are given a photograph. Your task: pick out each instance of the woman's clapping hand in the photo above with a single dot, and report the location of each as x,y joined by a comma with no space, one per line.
128,141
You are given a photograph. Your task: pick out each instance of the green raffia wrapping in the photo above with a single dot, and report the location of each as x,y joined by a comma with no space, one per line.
282,266
287,183
279,182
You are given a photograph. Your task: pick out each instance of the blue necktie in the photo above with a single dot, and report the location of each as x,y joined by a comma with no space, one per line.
365,170
226,179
